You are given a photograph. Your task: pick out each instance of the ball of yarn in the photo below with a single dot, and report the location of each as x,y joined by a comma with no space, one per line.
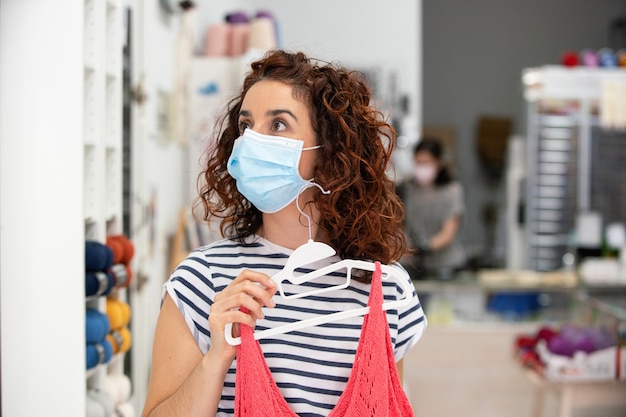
124,247
546,333
124,387
262,35
103,398
110,387
589,58
525,342
120,339
218,39
98,256
569,59
602,338
117,248
97,326
560,345
583,343
98,283
118,312
607,58
118,386
98,353
237,17
129,275
93,408
125,410
120,275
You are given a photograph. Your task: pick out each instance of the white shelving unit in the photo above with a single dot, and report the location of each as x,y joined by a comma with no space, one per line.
102,148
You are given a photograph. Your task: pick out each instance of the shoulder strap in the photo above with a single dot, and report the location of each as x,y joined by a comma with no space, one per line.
256,392
374,388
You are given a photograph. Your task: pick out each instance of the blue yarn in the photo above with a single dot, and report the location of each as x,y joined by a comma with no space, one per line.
93,356
98,256
92,284
97,326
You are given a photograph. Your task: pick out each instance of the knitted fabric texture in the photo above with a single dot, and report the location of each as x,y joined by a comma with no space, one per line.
373,389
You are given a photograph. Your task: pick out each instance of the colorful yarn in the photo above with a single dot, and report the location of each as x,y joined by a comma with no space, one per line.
121,277
120,339
123,249
97,326
98,283
98,353
118,312
98,257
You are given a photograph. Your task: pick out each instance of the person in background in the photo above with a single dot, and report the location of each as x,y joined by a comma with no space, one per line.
299,155
434,205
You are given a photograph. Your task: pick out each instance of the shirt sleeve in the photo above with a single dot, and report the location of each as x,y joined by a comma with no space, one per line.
190,287
457,199
411,322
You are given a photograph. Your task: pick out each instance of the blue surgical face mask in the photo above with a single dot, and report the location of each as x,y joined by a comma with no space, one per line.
266,169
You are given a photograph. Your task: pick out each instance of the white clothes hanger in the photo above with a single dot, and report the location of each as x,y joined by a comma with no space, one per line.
309,253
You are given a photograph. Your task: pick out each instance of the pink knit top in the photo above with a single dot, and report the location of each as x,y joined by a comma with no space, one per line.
373,388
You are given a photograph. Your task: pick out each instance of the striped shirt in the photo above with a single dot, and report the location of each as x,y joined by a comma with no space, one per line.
311,366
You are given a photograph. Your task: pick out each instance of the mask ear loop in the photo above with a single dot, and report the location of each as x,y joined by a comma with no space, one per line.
308,218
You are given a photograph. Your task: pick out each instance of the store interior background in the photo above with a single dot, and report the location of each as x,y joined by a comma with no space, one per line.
455,61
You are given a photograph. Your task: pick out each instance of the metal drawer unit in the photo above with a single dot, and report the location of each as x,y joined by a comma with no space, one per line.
551,182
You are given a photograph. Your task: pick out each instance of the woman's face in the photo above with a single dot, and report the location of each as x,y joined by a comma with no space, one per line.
269,108
425,168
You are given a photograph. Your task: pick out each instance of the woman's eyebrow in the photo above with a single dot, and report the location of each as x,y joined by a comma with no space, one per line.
244,113
278,112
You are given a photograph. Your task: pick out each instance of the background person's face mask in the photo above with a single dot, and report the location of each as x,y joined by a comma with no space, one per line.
425,174
265,169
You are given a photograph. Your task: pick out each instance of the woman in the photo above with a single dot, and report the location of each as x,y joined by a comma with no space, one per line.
299,142
434,210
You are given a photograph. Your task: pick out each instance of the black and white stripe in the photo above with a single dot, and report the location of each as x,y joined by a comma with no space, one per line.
311,366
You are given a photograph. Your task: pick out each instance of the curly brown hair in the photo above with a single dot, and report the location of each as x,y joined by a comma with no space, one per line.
362,216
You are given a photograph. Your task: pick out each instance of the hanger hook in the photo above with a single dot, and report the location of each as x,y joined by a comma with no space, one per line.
308,218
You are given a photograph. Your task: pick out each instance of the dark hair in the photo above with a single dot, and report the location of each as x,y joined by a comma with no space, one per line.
362,216
433,146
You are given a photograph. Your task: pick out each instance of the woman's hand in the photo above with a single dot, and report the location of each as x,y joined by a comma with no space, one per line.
244,291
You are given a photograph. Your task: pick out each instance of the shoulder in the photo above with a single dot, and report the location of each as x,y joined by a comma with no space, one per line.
453,188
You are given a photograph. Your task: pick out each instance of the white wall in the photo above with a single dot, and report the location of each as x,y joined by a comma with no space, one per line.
363,34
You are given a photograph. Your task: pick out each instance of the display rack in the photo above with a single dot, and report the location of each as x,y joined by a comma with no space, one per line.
575,157
102,137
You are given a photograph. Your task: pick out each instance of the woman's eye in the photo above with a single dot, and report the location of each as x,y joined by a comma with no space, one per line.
279,126
243,126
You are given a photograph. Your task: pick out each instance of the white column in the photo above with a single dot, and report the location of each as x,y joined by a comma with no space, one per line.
41,208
